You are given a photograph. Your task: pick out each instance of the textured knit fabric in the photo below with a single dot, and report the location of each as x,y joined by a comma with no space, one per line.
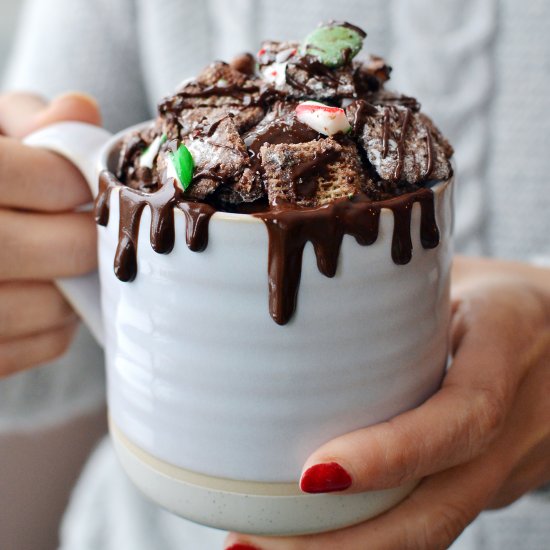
481,70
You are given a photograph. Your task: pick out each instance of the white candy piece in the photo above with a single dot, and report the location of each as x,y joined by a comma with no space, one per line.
150,154
171,172
285,55
275,74
322,118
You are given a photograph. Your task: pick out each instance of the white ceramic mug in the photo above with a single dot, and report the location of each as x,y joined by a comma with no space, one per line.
213,406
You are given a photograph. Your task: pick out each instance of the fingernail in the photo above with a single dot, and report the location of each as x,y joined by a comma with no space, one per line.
240,546
78,95
325,478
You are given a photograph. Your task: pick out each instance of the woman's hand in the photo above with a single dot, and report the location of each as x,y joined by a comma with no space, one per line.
480,442
41,236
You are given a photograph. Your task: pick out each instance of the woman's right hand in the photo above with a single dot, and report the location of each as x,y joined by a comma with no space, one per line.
41,236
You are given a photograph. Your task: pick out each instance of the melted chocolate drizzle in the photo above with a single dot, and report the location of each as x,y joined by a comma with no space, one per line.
287,130
314,69
362,112
176,104
162,233
405,120
289,229
347,25
430,161
386,133
304,176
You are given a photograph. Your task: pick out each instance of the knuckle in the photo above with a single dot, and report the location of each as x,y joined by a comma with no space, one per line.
452,518
416,536
403,461
490,412
436,530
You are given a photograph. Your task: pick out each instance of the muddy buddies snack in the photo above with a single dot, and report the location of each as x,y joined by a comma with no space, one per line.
304,136
303,124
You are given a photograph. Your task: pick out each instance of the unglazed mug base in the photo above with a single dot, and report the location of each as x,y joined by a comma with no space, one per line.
279,509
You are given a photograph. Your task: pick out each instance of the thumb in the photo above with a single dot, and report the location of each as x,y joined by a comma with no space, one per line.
22,113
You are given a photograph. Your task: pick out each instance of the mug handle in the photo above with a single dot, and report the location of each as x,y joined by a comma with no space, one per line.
83,145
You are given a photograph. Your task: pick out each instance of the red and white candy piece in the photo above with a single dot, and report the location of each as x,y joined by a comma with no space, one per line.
322,118
275,73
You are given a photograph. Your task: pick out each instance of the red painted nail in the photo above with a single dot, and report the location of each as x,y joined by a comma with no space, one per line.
240,546
325,478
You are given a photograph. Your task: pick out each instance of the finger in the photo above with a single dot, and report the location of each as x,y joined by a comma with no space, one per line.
17,109
36,179
46,246
432,517
31,307
450,428
525,444
532,473
29,351
23,113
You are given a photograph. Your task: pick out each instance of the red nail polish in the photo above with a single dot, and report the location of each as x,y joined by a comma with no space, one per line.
325,478
240,546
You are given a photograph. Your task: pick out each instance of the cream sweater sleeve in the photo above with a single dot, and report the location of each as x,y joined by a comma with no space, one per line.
88,45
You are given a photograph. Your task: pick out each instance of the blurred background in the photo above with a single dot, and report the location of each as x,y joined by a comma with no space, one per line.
9,12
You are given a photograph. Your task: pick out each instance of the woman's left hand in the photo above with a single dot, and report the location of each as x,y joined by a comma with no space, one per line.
482,441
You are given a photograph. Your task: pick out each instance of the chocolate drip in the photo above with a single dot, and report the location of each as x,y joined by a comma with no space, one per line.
384,100
429,232
405,120
347,25
401,244
430,160
197,218
132,203
290,229
162,233
107,182
363,110
233,90
401,145
386,133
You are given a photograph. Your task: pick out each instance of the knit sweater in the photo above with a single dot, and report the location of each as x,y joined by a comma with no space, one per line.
479,68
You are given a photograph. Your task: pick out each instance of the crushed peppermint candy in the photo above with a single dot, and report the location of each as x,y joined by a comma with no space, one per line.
322,118
275,73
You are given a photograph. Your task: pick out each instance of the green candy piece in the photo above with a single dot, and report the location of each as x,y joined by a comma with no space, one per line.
183,165
333,45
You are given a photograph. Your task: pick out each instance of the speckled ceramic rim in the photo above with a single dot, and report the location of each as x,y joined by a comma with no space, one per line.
256,508
204,481
227,216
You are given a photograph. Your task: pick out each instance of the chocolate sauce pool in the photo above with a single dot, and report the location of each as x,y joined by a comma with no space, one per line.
289,229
